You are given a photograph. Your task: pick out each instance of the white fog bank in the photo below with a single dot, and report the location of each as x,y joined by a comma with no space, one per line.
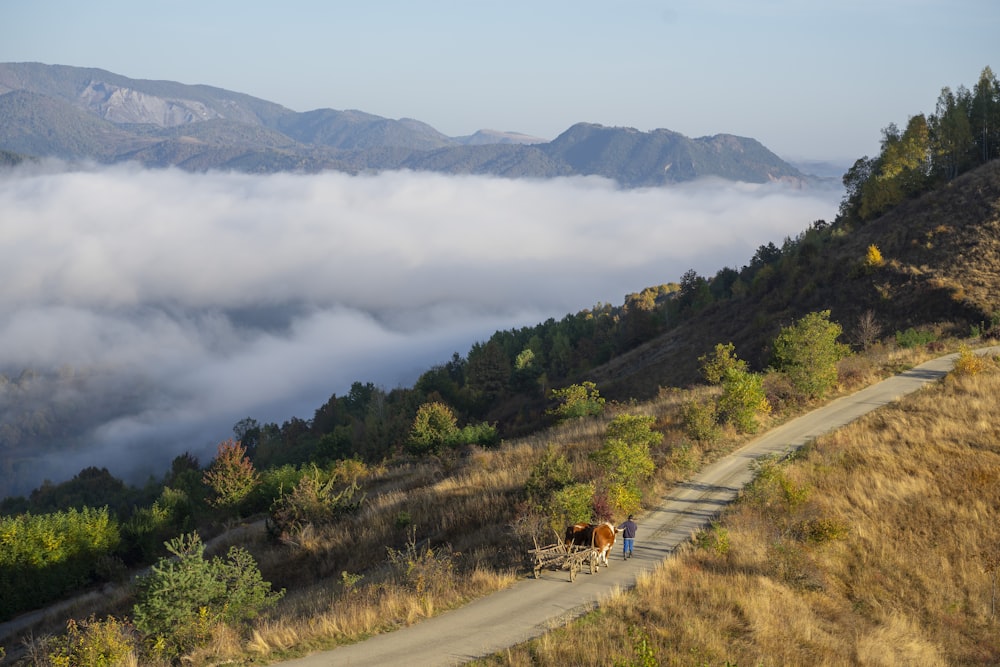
229,295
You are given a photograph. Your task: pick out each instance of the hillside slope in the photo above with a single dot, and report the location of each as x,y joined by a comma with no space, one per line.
942,264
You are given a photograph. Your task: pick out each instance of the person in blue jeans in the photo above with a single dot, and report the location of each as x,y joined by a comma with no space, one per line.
628,536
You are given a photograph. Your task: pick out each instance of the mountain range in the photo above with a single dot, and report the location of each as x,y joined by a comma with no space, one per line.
77,113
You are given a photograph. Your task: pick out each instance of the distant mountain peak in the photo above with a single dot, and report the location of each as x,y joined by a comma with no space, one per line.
87,113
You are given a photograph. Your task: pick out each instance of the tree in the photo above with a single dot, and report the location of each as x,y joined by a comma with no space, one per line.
185,596
723,360
854,183
951,133
985,115
577,400
743,398
433,427
807,352
488,371
247,430
231,476
626,458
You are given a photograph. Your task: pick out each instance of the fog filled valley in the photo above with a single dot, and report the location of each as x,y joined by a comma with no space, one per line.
144,312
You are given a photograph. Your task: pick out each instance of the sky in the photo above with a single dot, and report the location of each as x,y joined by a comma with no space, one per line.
810,79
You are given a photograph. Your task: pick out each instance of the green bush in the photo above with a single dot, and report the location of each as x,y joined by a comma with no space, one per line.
185,596
571,504
912,338
743,399
317,499
626,459
808,352
433,427
45,556
552,473
576,401
701,421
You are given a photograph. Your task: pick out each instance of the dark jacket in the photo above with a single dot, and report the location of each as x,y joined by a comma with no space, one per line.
628,529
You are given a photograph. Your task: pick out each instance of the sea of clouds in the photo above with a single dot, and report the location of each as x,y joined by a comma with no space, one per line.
227,295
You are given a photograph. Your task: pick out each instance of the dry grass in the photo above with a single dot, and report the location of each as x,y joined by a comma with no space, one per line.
915,490
469,511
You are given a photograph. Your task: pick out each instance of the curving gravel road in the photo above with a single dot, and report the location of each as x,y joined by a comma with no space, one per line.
531,606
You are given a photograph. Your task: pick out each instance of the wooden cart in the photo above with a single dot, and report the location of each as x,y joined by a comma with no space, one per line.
560,557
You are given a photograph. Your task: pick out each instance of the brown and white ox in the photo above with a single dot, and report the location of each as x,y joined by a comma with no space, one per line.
600,537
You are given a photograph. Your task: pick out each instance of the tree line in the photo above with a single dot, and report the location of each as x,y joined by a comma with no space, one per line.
961,134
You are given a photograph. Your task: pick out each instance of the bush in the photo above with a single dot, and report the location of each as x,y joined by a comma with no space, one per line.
723,360
912,338
433,427
743,399
231,476
701,421
315,500
576,401
808,352
42,557
422,569
550,474
626,459
185,596
968,362
571,504
94,643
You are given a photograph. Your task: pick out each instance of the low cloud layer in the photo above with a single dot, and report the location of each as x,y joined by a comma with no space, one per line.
232,295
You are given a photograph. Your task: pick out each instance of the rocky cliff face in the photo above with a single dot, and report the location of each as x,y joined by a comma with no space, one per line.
126,105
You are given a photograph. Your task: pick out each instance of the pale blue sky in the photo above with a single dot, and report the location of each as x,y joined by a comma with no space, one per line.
815,80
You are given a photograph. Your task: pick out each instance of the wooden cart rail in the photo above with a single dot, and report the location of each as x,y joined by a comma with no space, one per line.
560,557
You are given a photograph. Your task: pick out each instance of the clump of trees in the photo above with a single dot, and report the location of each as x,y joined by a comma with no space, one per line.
186,596
42,557
961,134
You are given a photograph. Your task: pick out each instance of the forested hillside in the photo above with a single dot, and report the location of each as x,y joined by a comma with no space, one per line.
587,417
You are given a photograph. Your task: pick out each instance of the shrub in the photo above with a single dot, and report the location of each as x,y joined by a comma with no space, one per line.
714,539
701,421
433,426
571,504
551,473
231,476
185,596
94,643
578,400
422,569
626,459
808,352
912,338
873,258
723,360
315,500
743,399
44,556
968,362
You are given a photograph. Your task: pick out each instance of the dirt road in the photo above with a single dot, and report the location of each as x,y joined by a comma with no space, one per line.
531,607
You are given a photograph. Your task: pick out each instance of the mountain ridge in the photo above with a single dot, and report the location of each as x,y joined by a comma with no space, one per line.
54,109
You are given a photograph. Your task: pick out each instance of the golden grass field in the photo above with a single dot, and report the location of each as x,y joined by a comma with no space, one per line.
877,545
873,547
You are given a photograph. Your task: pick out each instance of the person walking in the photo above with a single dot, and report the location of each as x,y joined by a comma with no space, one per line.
628,529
